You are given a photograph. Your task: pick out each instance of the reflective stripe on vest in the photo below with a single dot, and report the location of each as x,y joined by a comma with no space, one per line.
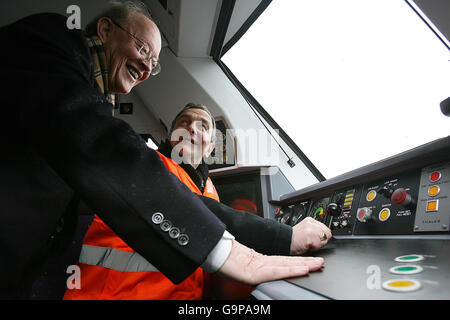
115,259
125,261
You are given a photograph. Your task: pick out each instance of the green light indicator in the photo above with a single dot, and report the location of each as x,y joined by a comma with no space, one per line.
409,258
408,269
405,269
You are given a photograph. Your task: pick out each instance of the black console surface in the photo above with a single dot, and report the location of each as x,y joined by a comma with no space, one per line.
357,269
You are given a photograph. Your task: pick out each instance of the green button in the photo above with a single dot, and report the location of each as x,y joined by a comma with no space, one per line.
408,269
409,258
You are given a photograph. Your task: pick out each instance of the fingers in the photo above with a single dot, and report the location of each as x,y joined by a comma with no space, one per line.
309,234
321,230
313,263
249,267
321,226
277,273
278,267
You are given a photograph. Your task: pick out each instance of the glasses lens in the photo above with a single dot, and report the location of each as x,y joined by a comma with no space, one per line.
147,54
156,68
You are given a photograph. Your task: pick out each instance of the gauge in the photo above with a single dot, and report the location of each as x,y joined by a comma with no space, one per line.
298,213
285,215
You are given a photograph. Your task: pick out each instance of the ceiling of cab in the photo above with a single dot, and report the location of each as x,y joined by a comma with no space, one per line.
189,26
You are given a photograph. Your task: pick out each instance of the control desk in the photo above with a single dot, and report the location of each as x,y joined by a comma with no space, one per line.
390,222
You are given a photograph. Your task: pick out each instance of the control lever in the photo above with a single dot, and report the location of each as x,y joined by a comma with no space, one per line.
334,209
386,192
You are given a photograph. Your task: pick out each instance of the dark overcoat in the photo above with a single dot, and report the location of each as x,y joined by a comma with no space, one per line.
60,142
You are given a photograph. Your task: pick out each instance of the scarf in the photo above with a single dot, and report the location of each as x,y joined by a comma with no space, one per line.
100,69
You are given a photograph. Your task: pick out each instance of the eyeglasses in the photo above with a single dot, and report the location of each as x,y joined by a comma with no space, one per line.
144,51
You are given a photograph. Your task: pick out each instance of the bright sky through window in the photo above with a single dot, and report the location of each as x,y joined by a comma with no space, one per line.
350,81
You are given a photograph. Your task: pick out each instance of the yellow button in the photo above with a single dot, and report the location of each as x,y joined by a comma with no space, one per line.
401,283
432,205
371,195
433,190
384,214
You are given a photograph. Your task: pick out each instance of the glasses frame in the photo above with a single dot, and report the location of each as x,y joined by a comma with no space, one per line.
147,56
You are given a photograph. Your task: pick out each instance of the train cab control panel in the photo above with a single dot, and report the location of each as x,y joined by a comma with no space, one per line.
390,224
415,202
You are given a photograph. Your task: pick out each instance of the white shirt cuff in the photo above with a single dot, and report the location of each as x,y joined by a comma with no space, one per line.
219,254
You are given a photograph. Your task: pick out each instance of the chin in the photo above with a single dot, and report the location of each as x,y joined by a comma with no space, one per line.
126,88
121,87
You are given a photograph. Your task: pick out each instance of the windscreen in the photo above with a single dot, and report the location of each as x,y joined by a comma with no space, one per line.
350,81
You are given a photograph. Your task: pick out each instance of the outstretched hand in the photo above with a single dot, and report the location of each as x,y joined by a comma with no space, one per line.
250,267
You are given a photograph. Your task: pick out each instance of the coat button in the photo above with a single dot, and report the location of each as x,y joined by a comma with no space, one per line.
165,225
157,217
174,233
183,239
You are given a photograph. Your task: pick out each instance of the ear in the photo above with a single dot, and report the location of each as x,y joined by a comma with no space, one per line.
210,149
104,28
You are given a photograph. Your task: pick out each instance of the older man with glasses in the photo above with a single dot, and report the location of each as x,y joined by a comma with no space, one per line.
62,144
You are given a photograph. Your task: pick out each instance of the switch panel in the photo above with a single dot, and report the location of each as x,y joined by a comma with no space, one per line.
433,205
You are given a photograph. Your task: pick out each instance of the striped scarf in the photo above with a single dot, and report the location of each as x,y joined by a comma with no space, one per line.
100,68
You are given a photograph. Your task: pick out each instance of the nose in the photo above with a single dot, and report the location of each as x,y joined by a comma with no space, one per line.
146,68
192,127
195,127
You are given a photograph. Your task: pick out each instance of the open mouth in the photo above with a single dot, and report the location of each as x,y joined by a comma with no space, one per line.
133,73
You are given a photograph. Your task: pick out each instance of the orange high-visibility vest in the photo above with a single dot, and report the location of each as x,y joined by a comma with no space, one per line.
110,269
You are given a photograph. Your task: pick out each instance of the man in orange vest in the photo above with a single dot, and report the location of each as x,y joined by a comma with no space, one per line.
112,282
110,269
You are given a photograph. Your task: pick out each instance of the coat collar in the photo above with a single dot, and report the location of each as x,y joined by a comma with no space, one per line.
199,175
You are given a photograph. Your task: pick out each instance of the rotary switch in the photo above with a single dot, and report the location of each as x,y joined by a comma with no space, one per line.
364,214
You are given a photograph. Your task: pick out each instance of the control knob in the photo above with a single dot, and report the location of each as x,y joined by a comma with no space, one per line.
364,214
334,209
385,191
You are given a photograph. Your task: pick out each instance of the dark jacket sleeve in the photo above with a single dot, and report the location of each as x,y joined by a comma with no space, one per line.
59,112
263,235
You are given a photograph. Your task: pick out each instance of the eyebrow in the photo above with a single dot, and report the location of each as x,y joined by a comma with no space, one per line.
196,118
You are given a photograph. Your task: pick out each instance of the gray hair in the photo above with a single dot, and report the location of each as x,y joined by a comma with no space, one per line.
119,12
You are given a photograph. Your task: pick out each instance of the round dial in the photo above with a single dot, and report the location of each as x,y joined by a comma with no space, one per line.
299,212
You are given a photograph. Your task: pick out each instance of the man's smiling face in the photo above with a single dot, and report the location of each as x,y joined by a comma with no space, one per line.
126,66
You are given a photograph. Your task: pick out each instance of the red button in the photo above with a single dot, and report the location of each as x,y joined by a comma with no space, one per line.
278,211
399,196
435,176
361,213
